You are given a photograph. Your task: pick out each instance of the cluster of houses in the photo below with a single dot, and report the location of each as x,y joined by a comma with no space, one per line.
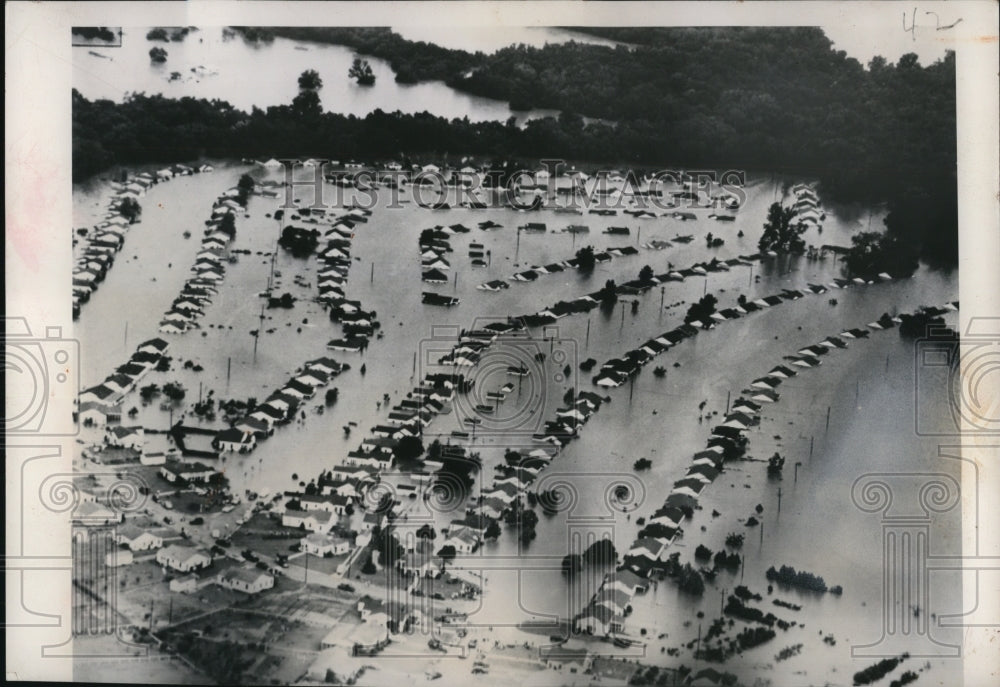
278,408
808,207
96,254
434,244
208,269
605,613
537,271
617,371
522,470
105,239
99,405
474,342
335,264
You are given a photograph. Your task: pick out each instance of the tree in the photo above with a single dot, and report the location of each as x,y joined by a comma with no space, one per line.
872,253
310,80
149,392
702,310
571,564
608,296
409,449
781,234
174,391
586,260
492,530
447,553
600,553
130,210
361,72
307,105
646,273
426,532
157,55
228,225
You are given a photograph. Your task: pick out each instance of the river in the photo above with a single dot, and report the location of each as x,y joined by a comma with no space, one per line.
211,65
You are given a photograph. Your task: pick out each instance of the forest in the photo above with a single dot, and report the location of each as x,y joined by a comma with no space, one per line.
777,100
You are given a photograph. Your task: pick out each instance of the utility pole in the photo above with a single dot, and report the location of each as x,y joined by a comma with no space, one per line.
762,533
229,370
256,337
779,501
797,464
827,419
811,447
587,343
373,273
705,290
728,396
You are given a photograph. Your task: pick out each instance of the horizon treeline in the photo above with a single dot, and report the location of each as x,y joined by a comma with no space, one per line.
768,99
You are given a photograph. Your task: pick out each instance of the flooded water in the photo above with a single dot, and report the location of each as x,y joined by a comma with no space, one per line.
868,389
208,65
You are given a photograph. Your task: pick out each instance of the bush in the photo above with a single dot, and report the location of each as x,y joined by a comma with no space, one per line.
734,540
789,576
877,671
702,553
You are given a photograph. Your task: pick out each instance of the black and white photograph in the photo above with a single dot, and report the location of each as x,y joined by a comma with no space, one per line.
490,343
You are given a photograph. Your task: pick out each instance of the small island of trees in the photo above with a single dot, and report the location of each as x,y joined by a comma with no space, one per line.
361,72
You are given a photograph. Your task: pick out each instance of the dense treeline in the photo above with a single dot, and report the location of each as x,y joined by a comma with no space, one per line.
411,61
775,99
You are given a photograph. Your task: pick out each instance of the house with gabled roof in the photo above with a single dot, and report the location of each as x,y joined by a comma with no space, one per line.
125,437
246,580
311,520
332,503
320,544
137,538
98,414
233,439
94,513
189,472
99,394
183,558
